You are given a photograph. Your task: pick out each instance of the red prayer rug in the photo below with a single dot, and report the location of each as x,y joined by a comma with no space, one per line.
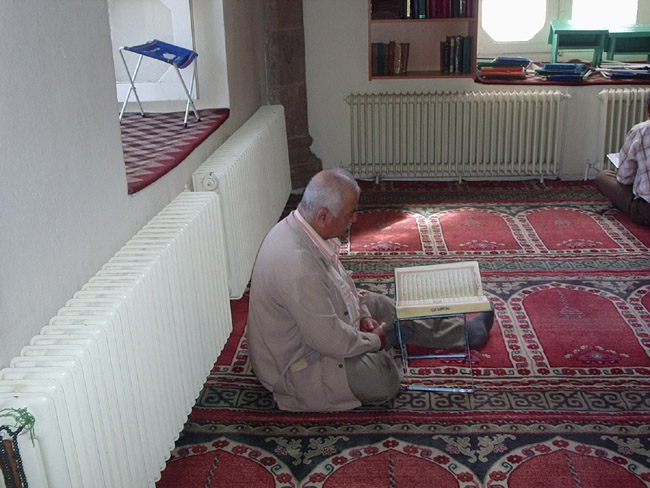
155,144
562,385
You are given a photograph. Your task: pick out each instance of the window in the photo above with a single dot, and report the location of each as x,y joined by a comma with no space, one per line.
513,20
521,28
602,12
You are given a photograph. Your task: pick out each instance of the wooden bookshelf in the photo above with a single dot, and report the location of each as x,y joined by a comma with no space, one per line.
423,35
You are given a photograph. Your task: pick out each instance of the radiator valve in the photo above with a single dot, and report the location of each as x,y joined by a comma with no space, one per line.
210,183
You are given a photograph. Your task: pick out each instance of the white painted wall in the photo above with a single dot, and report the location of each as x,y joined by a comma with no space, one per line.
336,44
63,194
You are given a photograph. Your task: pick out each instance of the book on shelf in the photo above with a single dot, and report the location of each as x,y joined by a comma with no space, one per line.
456,55
444,56
389,58
406,9
466,63
439,289
415,9
451,61
421,9
449,8
386,9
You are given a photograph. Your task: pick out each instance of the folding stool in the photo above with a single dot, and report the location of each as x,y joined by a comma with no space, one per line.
467,354
177,56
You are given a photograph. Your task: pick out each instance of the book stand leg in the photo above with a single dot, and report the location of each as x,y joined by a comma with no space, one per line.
405,359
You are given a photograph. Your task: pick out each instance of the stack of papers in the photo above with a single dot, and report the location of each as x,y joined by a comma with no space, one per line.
614,70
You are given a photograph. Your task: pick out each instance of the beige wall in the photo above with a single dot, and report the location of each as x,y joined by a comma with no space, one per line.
336,43
65,208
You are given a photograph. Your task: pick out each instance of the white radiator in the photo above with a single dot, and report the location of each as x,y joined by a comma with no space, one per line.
621,109
112,378
456,135
250,171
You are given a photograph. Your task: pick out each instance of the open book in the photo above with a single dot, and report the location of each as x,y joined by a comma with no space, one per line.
439,289
613,158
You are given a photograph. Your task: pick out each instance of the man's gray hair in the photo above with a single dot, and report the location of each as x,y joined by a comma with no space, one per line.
327,189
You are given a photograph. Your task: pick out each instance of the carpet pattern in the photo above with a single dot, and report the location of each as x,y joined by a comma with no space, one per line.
562,386
155,144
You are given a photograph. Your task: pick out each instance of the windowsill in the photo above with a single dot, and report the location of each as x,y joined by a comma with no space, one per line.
155,144
593,79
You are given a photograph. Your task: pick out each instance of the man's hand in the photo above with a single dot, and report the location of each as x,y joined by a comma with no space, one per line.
368,324
379,330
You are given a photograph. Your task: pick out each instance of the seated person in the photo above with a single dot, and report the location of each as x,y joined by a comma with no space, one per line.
315,342
629,188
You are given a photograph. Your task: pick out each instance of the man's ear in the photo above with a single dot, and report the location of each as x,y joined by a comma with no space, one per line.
321,221
322,215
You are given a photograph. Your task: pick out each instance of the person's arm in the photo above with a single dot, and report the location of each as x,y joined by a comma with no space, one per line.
627,159
315,313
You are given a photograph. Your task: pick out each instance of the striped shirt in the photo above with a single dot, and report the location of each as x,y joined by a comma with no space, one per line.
634,157
340,277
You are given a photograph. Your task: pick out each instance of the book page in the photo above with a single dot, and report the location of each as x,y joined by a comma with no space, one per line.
613,158
419,286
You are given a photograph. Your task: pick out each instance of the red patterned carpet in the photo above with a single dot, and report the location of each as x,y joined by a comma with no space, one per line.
155,144
562,387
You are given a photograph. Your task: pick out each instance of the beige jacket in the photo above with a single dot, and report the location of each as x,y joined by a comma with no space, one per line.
298,330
